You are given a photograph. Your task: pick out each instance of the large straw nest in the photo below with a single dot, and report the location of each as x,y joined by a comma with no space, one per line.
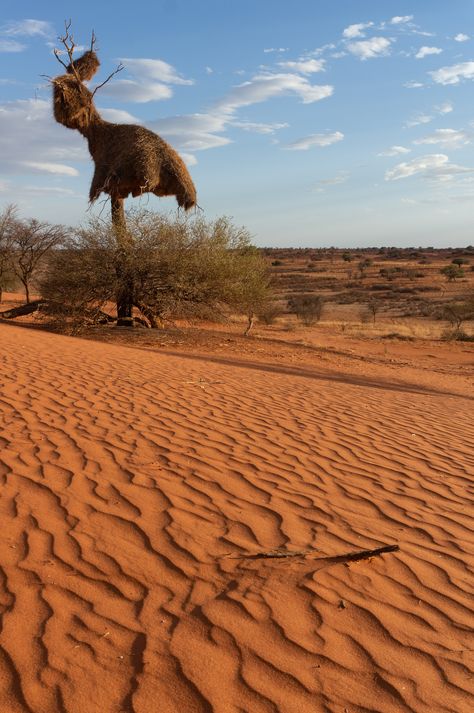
85,66
129,159
72,103
132,160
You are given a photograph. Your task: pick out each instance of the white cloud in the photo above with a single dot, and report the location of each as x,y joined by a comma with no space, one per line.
313,140
258,127
413,85
444,108
11,46
31,141
129,90
342,177
46,167
119,116
193,132
446,138
401,19
426,51
307,66
189,159
209,70
368,49
356,30
419,119
151,80
454,73
266,86
395,151
276,49
432,166
29,28
155,70
461,37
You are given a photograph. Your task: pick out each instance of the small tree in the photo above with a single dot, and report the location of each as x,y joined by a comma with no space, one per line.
32,241
460,261
7,226
452,272
308,308
374,307
458,312
183,267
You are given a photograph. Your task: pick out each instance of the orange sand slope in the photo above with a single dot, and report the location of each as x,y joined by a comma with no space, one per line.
133,486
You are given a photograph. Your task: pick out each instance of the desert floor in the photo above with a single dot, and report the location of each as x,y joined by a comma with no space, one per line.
137,483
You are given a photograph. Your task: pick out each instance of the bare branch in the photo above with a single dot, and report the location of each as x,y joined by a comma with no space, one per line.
68,41
93,40
116,71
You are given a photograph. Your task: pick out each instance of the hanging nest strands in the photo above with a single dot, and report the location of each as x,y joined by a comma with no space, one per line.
129,159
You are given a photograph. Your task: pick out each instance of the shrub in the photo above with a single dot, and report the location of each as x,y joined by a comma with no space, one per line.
308,308
179,268
452,272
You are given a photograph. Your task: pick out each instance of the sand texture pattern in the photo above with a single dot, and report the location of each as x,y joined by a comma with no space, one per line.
135,486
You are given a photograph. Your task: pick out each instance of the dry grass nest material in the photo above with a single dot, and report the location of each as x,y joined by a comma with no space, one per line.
129,159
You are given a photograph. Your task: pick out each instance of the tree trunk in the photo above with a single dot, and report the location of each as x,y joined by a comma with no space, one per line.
125,278
251,320
1,294
27,291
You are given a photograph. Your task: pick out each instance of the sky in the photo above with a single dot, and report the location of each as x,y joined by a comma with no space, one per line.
312,123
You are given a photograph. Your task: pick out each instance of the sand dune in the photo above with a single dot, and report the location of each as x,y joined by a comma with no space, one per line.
134,487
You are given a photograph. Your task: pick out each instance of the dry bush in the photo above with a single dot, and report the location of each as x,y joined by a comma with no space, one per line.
308,308
180,267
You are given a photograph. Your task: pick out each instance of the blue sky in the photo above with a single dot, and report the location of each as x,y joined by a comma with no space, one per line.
316,122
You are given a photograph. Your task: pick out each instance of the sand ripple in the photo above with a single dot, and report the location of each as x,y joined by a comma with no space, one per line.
133,484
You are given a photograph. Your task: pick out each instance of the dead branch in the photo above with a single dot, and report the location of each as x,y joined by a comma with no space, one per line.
348,557
69,45
93,40
116,71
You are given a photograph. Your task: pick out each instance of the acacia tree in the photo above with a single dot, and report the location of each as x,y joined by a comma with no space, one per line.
180,267
7,225
31,242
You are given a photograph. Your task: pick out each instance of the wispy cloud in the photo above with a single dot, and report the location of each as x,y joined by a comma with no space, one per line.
395,151
315,140
304,66
324,183
401,19
369,49
419,119
454,73
11,46
413,85
30,142
152,80
266,86
426,51
59,169
431,166
461,37
356,30
445,138
155,70
28,28
444,108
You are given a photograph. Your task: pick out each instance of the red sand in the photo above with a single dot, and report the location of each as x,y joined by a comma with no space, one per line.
133,485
